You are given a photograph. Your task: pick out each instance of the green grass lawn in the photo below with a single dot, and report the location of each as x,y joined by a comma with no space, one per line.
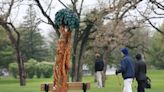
112,85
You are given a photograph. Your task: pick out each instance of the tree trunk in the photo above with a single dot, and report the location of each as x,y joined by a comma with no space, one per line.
79,68
85,36
106,59
73,65
104,77
73,71
77,65
74,57
22,75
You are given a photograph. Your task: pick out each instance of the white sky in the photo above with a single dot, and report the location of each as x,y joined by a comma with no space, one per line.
17,16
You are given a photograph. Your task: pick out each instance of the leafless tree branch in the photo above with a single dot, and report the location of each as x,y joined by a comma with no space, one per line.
41,20
81,7
62,3
133,5
16,13
45,14
159,5
49,6
75,7
160,17
9,10
158,13
72,1
148,19
15,30
155,27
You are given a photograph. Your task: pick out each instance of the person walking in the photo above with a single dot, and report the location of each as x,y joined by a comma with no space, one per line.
99,66
127,69
140,73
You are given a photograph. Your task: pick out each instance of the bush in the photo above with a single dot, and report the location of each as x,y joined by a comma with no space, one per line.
46,69
38,70
30,67
13,68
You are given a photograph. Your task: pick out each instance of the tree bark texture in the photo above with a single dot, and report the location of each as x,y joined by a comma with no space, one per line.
62,64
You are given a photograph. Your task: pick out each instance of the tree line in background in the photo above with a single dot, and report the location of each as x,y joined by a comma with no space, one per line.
113,24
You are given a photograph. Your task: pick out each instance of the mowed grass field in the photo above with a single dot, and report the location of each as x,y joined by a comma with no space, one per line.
112,84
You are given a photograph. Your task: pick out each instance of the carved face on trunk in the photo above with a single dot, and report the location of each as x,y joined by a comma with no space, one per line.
64,32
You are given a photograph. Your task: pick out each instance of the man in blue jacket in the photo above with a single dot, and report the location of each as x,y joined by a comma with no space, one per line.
127,69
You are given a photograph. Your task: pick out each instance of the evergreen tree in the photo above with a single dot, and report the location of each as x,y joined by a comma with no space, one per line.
52,45
32,43
6,50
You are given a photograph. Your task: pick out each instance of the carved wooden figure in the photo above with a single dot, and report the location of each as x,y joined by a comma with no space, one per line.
62,64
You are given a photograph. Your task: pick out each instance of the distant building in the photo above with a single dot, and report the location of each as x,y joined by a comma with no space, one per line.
86,70
109,71
4,72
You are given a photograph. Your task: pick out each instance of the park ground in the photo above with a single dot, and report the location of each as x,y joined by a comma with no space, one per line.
112,84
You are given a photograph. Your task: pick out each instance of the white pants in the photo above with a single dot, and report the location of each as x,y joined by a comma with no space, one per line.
128,85
99,79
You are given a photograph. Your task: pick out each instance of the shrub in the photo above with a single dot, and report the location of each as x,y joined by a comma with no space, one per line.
33,68
13,68
30,67
38,70
46,69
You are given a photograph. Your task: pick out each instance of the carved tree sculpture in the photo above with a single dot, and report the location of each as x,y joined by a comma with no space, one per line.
66,21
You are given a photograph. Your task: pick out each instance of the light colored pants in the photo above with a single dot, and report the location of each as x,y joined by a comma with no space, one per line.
128,85
99,79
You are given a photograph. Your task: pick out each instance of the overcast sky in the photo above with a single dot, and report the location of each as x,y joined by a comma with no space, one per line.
19,12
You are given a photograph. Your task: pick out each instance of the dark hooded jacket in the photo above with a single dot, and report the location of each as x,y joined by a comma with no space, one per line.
127,65
99,65
140,70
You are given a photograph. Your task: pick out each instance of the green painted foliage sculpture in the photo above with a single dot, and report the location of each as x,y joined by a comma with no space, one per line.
66,17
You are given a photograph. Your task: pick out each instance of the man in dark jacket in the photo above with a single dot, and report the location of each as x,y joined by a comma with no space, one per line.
127,69
99,66
140,73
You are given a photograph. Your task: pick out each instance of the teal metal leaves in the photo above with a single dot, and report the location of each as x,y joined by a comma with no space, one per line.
66,17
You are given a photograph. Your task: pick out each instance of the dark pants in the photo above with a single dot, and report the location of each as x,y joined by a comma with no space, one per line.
140,87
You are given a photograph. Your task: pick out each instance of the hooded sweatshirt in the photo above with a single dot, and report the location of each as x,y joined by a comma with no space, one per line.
127,65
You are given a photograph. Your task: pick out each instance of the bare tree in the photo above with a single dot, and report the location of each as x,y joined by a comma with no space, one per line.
81,36
154,11
44,12
14,37
117,31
